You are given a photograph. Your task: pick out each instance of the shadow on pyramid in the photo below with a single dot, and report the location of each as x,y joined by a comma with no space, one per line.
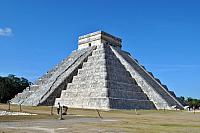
99,75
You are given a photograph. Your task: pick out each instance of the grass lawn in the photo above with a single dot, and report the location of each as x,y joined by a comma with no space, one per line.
79,120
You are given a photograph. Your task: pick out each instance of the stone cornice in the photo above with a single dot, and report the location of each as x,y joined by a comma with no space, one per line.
97,36
99,32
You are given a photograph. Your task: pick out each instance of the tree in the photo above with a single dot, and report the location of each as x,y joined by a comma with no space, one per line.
193,103
10,86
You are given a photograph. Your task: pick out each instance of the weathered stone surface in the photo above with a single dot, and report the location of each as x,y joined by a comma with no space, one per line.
20,97
49,87
99,75
104,77
150,85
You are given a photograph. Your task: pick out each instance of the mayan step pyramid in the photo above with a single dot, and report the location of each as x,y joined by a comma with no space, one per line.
99,75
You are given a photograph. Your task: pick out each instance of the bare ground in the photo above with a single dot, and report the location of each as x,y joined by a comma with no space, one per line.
150,121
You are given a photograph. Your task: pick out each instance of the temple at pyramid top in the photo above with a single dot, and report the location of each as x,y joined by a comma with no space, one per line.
97,38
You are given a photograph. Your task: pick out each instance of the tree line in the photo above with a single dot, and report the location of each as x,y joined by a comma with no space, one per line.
191,102
11,86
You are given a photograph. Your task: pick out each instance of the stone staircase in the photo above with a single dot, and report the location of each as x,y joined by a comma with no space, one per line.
161,97
104,83
51,83
20,97
88,87
44,78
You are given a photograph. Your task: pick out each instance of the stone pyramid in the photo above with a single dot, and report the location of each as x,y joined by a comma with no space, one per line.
99,75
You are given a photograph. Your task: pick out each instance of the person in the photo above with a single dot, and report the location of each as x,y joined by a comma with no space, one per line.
65,108
58,109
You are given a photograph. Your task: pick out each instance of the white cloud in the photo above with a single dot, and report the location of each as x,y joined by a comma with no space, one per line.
5,32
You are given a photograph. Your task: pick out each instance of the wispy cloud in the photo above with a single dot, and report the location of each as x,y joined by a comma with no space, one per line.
5,32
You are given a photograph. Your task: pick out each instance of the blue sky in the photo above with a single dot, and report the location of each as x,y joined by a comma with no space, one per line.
164,35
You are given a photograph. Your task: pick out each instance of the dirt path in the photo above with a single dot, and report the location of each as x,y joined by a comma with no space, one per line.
55,125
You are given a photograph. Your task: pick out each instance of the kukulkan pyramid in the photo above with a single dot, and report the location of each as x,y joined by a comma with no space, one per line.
99,75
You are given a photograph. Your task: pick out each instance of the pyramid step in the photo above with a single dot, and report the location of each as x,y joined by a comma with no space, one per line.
98,62
88,90
96,57
118,103
116,82
102,69
110,84
76,80
92,93
89,77
154,90
102,75
119,78
90,103
48,74
79,92
98,52
63,92
161,91
20,97
33,87
99,92
85,86
96,69
123,86
56,82
117,70
100,57
105,103
127,94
